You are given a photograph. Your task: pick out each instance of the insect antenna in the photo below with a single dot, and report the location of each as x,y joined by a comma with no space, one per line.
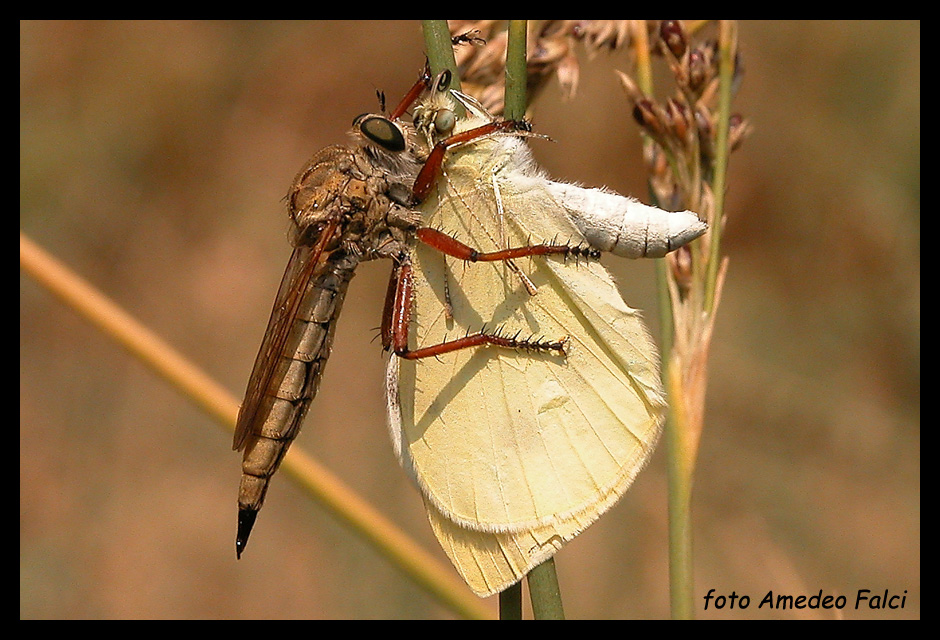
381,96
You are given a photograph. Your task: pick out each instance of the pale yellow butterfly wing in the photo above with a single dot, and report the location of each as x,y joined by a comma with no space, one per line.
517,452
490,562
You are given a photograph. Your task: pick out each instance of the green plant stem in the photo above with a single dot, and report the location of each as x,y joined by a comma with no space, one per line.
681,456
516,74
543,580
440,52
679,480
680,516
510,602
544,592
727,51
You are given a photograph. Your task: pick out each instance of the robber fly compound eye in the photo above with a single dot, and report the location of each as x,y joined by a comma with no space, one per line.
381,131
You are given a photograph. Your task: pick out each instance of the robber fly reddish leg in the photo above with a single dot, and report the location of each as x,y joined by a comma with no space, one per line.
398,303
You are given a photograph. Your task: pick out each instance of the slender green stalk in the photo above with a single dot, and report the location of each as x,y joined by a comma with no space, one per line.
682,440
679,482
516,75
510,602
440,52
727,50
543,580
693,284
680,497
544,592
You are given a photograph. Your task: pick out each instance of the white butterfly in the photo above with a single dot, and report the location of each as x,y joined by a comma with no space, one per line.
515,451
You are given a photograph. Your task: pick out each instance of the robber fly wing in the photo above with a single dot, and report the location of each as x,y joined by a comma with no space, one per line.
304,262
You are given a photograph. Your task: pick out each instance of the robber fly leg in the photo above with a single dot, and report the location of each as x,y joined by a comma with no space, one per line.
455,248
398,308
450,246
432,166
423,83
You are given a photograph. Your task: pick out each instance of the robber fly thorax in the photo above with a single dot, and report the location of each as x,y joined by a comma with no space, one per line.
360,192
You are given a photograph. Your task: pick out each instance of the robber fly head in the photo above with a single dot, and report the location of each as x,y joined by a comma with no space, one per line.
380,131
388,141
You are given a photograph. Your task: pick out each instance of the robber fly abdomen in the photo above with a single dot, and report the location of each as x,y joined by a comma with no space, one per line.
294,383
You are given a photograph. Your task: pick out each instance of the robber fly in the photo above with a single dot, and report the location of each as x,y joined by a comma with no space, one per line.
350,204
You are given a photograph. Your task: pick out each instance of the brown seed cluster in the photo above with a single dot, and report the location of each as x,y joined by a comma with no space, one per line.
551,45
552,48
685,121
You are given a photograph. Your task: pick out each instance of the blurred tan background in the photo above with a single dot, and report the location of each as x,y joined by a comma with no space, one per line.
153,160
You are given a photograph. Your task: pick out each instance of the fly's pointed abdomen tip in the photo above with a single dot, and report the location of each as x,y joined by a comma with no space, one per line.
246,520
